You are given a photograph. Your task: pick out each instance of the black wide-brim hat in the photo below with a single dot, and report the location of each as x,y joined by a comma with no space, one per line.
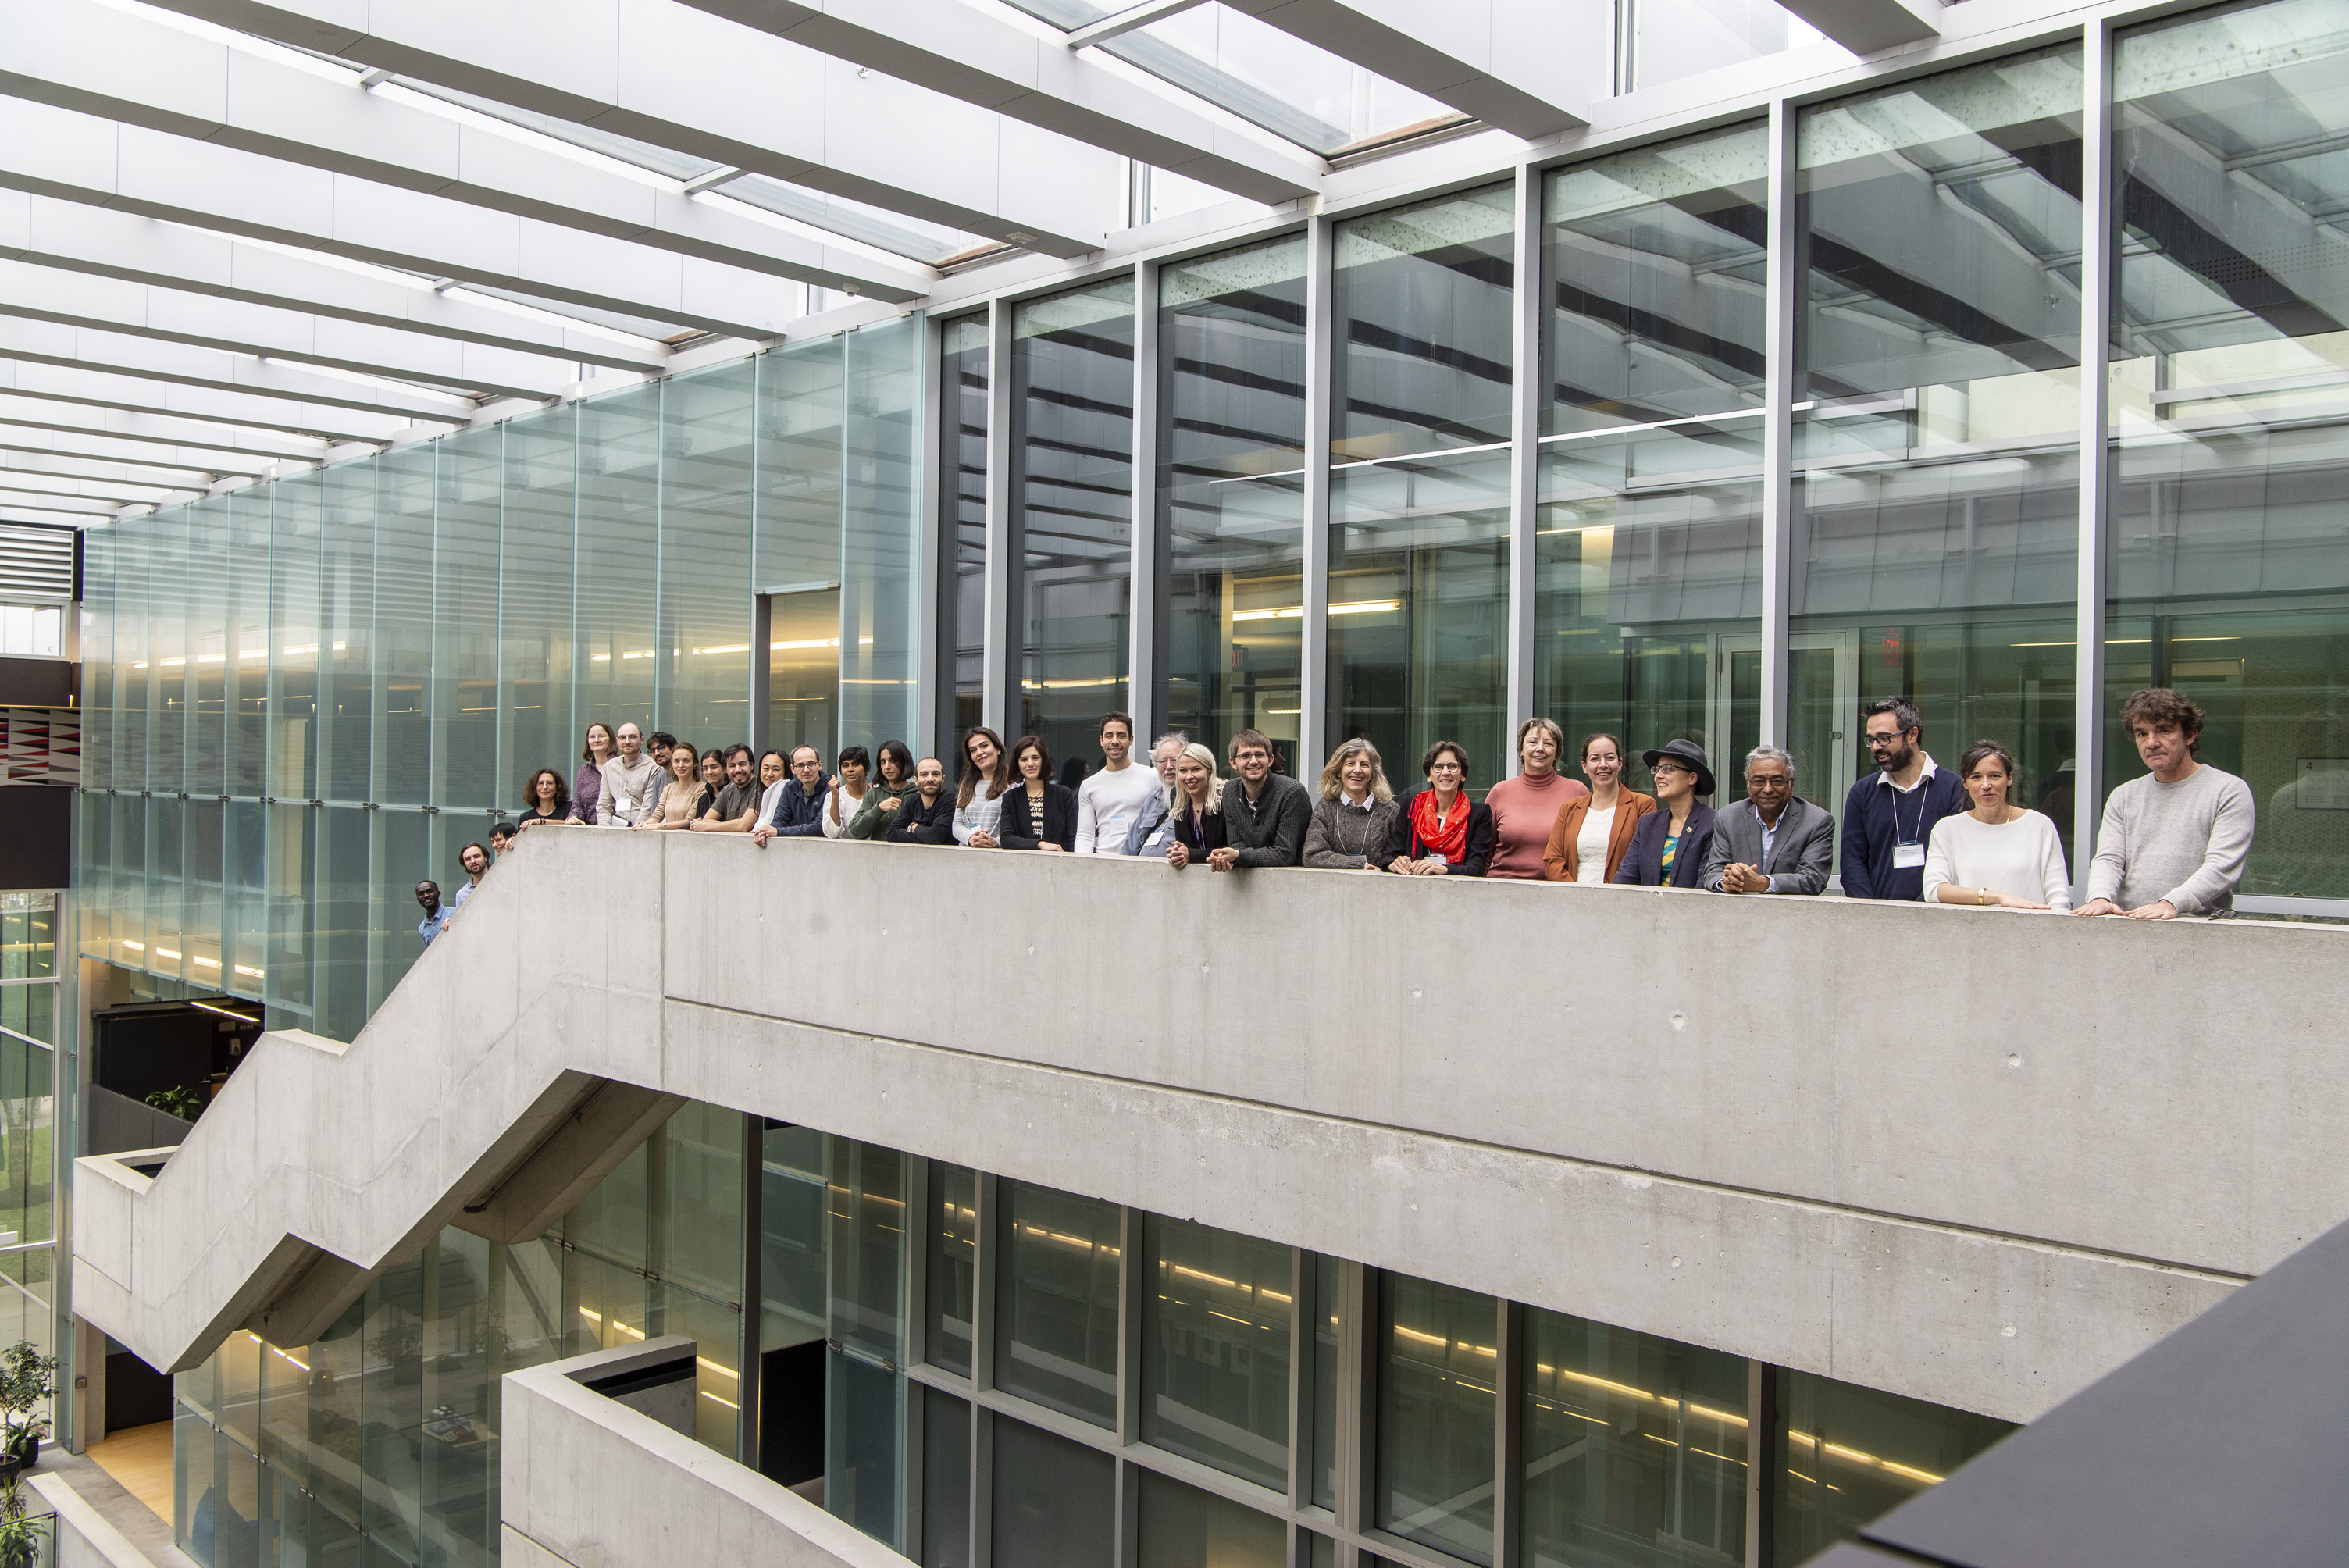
1687,751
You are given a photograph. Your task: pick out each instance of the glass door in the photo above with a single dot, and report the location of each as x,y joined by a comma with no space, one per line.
1822,723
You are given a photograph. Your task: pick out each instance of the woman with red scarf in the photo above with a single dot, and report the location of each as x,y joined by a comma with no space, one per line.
1440,831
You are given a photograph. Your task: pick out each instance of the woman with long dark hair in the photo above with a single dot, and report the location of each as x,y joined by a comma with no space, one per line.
893,781
978,797
1038,814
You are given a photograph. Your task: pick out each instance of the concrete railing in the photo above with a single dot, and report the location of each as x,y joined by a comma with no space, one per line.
1976,1156
585,1480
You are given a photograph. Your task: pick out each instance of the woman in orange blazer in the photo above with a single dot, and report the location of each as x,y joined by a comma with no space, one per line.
1604,819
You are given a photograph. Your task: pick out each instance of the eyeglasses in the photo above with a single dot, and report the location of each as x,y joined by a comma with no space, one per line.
1878,742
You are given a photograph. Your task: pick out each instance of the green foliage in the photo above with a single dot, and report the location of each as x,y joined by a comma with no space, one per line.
20,1538
27,1379
183,1102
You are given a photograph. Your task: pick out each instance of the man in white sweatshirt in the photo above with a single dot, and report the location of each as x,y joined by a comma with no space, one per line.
2174,842
632,781
1108,801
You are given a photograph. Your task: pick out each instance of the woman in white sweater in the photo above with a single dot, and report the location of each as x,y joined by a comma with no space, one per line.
979,800
1997,854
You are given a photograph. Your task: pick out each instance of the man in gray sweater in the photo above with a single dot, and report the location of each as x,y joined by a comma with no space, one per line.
2174,842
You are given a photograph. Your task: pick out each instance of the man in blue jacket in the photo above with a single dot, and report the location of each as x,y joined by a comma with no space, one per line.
1888,817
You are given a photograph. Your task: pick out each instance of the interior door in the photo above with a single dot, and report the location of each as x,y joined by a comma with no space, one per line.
1822,723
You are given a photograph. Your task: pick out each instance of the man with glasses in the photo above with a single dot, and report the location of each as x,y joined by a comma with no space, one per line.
1265,813
1771,841
1888,817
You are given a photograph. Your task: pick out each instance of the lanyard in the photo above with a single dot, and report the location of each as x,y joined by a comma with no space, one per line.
1898,836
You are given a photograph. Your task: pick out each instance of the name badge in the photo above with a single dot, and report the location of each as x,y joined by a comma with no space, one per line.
1908,857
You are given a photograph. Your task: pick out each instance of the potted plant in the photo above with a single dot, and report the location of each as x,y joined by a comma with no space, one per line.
27,1379
20,1538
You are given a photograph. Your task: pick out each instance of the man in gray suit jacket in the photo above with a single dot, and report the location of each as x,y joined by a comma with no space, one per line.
1771,841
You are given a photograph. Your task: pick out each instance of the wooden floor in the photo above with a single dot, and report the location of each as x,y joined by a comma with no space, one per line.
141,1459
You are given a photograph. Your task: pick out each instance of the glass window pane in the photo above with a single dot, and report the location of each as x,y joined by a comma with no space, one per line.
1182,1527
244,655
293,647
868,1247
1848,1455
953,1253
791,1217
1324,1466
697,1232
205,644
508,607
708,436
1056,1300
801,420
1435,1437
405,624
862,1472
620,663
946,1481
880,639
962,459
1635,1447
1648,562
1055,1503
1073,439
1936,493
2230,416
1215,1369
1231,445
1418,539
347,550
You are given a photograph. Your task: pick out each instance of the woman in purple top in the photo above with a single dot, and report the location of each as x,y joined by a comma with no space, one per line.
589,781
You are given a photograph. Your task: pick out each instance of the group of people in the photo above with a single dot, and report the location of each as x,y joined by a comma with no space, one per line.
2174,842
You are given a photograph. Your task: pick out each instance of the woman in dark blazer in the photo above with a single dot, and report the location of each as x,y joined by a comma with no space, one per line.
1668,847
1038,814
1437,831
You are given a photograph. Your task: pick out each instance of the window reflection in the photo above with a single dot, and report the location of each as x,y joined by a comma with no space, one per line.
1847,1455
1056,1306
1936,523
1438,1357
962,602
1231,493
1216,1349
1649,546
1073,407
1635,1448
2230,413
1418,525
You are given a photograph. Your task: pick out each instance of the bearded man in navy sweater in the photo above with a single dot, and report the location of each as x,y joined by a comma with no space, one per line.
1888,817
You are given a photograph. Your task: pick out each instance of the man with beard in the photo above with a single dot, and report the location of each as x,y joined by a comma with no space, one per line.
1888,817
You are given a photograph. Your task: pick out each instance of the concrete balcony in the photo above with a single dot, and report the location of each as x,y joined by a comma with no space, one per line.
1976,1158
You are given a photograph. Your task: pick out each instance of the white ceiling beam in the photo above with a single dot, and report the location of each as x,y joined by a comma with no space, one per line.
102,61
955,49
112,492
43,294
49,343
191,459
145,395
50,501
60,152
1518,65
10,512
103,475
38,413
688,80
101,242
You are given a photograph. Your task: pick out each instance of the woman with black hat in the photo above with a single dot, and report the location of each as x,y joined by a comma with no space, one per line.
1668,847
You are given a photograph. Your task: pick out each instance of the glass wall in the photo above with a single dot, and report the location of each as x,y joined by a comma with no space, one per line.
1936,525
1231,490
2227,568
305,697
32,1003
962,466
1073,499
1648,547
1422,365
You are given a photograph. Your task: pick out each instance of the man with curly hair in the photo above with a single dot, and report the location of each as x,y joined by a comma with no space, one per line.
2174,842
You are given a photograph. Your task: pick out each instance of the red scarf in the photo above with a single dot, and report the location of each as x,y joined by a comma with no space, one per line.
1449,838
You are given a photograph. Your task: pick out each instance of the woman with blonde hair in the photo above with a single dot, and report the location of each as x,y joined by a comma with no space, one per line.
1356,811
1197,814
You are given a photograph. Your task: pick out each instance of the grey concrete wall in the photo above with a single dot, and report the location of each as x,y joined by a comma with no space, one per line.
1975,1156
584,1481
